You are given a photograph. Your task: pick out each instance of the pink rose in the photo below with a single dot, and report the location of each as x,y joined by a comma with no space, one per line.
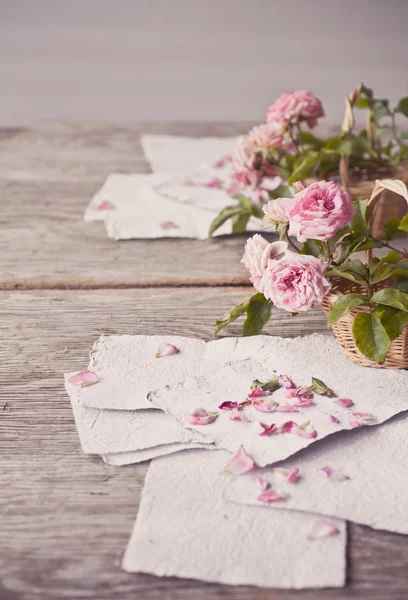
296,282
293,107
273,136
256,255
247,162
278,210
319,211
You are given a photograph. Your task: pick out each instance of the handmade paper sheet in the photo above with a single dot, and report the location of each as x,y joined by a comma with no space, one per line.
369,483
172,154
376,395
111,431
185,529
129,458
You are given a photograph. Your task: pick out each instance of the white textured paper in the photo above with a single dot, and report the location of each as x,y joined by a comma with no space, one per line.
185,529
137,456
382,392
171,153
376,493
112,431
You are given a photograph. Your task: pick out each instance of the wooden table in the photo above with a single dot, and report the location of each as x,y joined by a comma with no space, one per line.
66,517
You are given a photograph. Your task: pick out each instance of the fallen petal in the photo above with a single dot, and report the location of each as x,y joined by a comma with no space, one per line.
355,423
168,225
104,205
287,427
322,529
286,408
269,495
228,405
221,162
289,475
330,473
287,380
334,419
266,430
302,402
364,418
240,462
166,350
84,378
215,183
236,415
265,407
304,431
260,481
201,417
256,393
344,402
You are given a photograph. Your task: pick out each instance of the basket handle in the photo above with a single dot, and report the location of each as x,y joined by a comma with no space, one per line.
348,126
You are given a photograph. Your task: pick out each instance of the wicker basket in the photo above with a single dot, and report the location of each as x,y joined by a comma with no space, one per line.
397,357
384,204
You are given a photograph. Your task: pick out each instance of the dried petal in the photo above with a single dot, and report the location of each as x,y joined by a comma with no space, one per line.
364,418
322,529
256,393
269,495
344,402
215,183
355,423
265,430
221,162
166,350
287,426
265,407
236,415
84,378
200,416
260,481
330,473
240,462
287,380
104,205
334,419
228,405
289,475
168,225
286,408
302,402
304,431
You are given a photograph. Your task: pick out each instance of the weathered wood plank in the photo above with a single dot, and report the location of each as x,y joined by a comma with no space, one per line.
66,517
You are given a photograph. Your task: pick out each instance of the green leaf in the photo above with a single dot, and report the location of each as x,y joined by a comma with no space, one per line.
305,169
353,270
392,319
380,111
320,387
370,336
391,228
268,386
341,145
359,222
363,101
402,106
336,272
258,310
282,191
380,273
342,306
404,224
239,222
305,138
227,213
312,247
234,313
391,297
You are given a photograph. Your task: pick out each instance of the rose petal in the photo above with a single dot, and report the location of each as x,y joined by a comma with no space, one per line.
330,473
221,162
364,418
286,408
240,462
288,381
334,419
168,225
302,402
269,495
304,431
354,424
256,393
260,481
84,378
266,430
236,415
322,529
344,402
289,475
265,407
166,350
104,205
228,405
215,183
200,416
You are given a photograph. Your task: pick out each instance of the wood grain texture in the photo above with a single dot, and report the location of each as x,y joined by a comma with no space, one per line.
66,517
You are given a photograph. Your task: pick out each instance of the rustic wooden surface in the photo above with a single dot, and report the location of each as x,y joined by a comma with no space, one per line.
66,517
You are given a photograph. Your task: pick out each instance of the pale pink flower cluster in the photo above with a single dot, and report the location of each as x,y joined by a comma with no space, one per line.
293,282
317,212
294,107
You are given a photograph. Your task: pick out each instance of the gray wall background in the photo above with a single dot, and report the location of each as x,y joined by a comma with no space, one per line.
189,59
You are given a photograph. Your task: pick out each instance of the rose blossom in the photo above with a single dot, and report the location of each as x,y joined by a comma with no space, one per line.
273,136
295,282
293,107
319,211
247,162
278,210
256,255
